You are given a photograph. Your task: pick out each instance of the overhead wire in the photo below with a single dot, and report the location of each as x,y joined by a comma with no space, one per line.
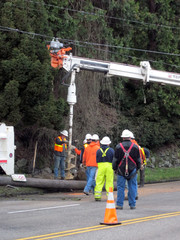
91,43
80,44
106,16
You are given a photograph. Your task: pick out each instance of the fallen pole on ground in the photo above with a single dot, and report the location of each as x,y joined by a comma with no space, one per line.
44,183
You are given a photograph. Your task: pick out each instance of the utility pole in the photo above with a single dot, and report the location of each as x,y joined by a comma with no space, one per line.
71,99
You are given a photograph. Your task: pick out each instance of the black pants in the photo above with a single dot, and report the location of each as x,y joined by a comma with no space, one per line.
142,176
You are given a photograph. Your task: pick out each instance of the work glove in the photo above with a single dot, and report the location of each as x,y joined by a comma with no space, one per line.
142,167
73,147
81,165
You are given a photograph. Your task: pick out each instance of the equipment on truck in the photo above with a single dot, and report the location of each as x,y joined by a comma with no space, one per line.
73,64
7,148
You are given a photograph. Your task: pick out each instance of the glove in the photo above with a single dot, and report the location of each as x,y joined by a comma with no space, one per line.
142,167
81,165
73,147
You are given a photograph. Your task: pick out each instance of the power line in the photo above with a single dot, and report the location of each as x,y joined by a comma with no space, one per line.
89,43
110,17
124,55
127,48
2,28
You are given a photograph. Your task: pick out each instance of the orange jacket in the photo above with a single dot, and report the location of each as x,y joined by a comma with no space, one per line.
77,151
89,156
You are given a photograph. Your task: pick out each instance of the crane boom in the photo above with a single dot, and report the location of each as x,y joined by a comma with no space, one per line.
143,72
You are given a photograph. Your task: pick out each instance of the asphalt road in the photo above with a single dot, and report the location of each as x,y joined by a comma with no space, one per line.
76,216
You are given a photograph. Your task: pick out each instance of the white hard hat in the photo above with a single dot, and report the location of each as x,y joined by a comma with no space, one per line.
88,136
95,137
105,141
126,134
65,133
132,135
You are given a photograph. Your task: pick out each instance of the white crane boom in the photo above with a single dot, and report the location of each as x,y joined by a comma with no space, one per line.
143,72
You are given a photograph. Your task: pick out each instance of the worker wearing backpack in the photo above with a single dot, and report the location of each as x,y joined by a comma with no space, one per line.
126,163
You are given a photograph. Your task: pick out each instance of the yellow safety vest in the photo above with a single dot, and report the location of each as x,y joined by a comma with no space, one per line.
144,156
104,152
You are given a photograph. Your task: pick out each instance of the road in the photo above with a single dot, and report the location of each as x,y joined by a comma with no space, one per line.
76,216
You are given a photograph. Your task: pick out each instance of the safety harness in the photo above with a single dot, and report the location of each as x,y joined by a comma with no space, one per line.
104,152
126,156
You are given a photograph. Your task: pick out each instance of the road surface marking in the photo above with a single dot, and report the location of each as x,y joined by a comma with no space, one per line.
41,209
100,227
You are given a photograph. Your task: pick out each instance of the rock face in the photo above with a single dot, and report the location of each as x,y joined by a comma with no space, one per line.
165,157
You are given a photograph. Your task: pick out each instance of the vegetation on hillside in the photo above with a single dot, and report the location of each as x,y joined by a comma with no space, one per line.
32,97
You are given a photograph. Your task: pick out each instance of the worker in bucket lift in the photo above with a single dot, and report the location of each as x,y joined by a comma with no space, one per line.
60,154
126,163
89,160
105,173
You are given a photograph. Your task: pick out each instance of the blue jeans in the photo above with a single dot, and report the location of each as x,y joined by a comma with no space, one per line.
132,189
59,162
90,175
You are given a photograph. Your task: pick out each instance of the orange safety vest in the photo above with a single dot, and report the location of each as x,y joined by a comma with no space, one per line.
140,151
59,148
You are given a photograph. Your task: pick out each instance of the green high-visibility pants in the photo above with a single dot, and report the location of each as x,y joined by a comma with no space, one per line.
104,174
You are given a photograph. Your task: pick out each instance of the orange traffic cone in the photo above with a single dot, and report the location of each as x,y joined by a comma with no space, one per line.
110,217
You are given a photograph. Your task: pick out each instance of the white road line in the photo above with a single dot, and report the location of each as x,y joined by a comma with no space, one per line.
41,209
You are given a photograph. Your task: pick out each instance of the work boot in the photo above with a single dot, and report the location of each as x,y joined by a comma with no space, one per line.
97,199
86,193
132,207
62,178
119,207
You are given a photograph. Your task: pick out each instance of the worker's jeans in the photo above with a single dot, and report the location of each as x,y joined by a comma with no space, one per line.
59,162
90,175
132,189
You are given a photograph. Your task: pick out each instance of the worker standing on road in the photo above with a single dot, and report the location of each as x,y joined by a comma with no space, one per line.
145,154
105,173
89,160
87,141
60,153
126,162
132,139
95,138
